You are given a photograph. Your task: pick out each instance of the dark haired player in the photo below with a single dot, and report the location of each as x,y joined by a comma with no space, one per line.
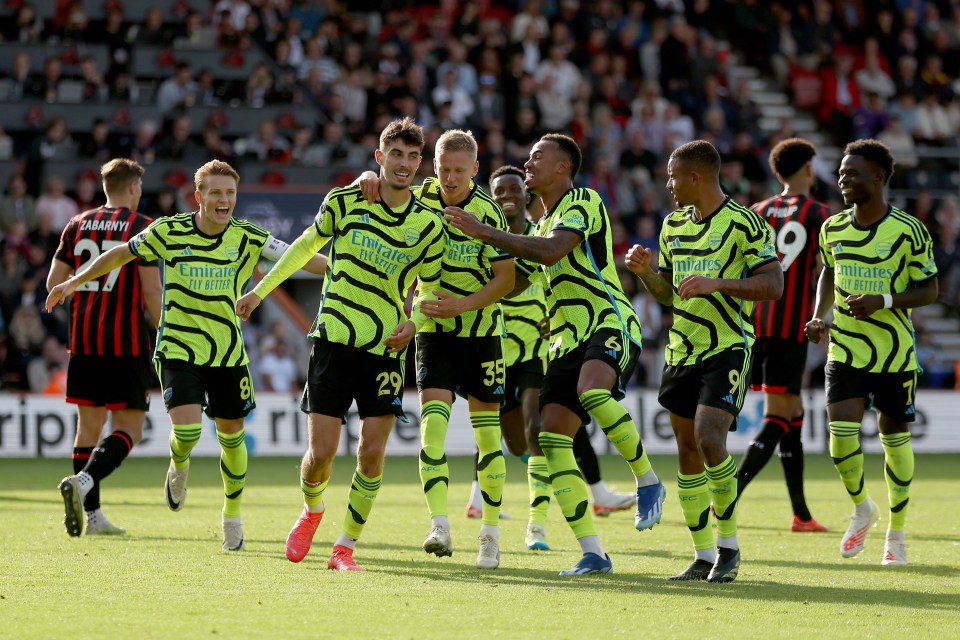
780,351
877,266
594,336
716,258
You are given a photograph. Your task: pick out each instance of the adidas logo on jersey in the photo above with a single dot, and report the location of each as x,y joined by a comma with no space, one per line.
187,252
396,402
498,390
675,242
612,353
728,399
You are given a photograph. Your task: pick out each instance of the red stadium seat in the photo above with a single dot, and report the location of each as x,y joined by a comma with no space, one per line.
273,178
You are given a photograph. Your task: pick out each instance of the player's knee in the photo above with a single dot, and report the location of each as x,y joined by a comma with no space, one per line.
371,452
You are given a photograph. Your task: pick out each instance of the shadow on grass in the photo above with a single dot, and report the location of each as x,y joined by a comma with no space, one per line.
744,589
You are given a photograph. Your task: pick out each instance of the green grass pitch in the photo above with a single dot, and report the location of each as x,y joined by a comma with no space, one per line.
167,578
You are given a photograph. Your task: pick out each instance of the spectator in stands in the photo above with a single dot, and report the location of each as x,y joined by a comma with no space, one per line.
177,145
17,205
521,136
526,52
677,125
278,368
906,79
787,43
20,78
123,89
97,145
933,124
26,25
314,58
179,90
208,93
236,11
873,76
716,132
86,195
606,135
154,32
871,117
675,53
45,86
451,91
265,144
55,145
488,107
47,373
745,152
840,96
932,77
530,17
142,146
902,148
348,102
94,86
259,86
55,203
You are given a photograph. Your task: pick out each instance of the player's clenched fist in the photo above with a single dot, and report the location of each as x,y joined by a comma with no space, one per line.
247,304
815,329
638,258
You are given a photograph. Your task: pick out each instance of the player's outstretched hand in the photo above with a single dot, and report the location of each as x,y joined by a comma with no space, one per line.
369,184
401,337
446,306
815,330
638,259
863,306
464,221
247,304
59,294
696,285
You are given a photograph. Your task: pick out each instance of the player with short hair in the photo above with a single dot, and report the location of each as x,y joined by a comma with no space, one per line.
458,344
524,353
109,369
877,267
780,350
378,251
594,336
716,258
208,258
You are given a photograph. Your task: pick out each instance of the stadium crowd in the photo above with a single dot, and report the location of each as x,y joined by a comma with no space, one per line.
629,81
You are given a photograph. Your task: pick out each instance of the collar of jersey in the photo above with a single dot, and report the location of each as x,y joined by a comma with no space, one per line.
857,225
397,214
562,198
705,218
196,227
462,203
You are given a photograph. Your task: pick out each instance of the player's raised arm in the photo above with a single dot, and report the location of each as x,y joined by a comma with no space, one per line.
302,254
548,251
107,262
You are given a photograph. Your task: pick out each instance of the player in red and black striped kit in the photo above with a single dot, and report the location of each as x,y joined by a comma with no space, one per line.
780,351
110,346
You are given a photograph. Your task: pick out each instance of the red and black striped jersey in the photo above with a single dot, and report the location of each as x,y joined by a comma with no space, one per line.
106,313
796,222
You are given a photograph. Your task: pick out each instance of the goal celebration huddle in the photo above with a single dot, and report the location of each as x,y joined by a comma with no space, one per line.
519,310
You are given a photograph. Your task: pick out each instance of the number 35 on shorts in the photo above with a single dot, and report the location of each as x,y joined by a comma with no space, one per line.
493,372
